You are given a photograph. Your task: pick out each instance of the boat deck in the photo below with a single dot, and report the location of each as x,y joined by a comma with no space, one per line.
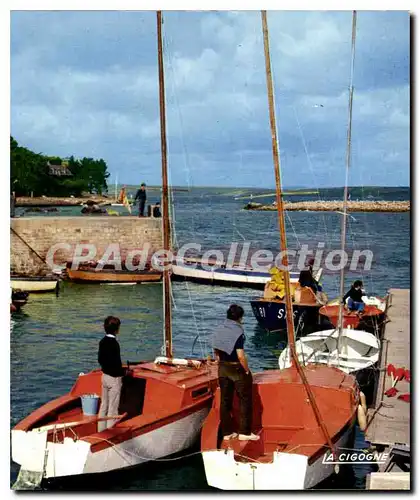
389,420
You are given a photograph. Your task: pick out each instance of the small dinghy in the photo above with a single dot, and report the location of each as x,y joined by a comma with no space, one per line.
370,320
36,284
358,350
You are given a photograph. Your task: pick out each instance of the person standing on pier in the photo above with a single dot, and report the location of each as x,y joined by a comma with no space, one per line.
141,196
234,375
109,358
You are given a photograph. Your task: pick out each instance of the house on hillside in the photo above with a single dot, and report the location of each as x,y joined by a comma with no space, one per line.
59,170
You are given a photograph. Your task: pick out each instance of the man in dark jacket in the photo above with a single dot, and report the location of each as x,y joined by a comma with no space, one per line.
109,358
234,375
141,196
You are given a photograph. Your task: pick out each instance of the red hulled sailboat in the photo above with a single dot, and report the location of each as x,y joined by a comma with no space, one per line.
301,414
163,403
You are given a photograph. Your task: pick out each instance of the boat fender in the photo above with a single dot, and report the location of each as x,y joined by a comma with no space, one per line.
361,418
336,468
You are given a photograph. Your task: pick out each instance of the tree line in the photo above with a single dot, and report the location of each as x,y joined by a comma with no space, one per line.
30,173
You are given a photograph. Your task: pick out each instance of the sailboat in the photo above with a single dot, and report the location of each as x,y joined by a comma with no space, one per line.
163,403
344,347
301,414
121,199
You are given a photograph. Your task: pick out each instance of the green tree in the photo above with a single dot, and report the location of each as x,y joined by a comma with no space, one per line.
29,172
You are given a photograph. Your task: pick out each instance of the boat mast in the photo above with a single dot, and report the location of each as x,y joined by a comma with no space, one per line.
348,162
283,242
167,309
279,195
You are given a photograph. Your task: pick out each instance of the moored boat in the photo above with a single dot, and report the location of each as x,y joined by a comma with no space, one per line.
221,274
355,350
162,408
89,273
270,310
291,451
37,284
370,320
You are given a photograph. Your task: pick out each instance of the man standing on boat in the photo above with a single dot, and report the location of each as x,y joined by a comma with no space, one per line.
141,196
234,375
109,358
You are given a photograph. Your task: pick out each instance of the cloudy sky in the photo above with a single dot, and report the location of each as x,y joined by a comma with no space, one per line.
85,83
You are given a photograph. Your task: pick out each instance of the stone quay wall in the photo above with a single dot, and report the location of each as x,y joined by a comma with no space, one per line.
40,234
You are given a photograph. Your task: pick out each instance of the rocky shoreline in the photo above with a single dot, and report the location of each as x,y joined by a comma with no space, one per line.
336,206
50,201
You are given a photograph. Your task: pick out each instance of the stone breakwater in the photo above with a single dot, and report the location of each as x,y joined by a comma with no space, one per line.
336,206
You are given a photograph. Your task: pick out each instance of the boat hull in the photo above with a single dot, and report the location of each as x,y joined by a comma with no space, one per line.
34,285
228,277
371,321
107,276
77,459
359,350
163,405
271,315
287,471
292,451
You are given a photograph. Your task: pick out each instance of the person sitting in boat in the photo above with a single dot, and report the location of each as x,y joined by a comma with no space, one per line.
234,375
109,358
354,296
156,210
306,278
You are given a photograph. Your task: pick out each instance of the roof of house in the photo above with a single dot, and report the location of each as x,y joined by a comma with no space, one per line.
58,170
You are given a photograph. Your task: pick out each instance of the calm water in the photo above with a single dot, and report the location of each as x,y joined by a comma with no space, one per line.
55,338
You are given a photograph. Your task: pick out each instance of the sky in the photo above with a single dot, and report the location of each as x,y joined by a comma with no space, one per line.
85,83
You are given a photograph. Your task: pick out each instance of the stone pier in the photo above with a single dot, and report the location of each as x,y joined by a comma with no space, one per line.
31,238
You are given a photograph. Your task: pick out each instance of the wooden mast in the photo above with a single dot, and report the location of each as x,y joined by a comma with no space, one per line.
283,243
348,162
279,195
167,306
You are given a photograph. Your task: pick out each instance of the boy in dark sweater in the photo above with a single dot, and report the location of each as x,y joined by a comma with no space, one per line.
355,294
109,358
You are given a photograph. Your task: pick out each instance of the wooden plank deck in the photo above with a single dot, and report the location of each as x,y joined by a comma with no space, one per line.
388,481
389,420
